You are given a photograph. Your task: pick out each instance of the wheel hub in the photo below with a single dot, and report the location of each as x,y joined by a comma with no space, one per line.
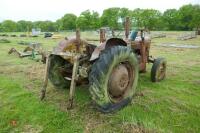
161,71
119,80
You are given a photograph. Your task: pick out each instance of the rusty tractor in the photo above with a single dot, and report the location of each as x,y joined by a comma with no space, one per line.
111,68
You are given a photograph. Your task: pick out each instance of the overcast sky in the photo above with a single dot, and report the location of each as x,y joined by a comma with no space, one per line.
54,9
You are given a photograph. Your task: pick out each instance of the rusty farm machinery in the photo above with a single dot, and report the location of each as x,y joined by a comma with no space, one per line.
31,50
111,69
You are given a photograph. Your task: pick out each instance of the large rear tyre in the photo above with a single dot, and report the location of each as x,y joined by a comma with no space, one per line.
55,75
158,70
113,78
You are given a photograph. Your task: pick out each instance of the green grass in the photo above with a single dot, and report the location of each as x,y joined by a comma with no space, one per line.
169,106
23,107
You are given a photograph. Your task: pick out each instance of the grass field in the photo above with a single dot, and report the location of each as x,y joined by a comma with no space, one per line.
172,105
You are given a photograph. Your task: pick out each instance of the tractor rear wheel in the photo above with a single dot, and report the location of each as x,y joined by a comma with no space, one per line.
113,78
56,76
158,70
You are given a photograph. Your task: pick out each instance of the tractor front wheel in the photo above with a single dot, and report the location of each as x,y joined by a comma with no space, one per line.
113,78
56,75
158,70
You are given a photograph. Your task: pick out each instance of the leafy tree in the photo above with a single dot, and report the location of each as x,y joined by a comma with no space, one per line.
23,26
136,15
195,23
9,26
110,18
95,20
186,18
68,22
38,24
186,13
123,13
147,18
1,27
88,20
81,23
151,19
58,25
49,26
171,19
45,25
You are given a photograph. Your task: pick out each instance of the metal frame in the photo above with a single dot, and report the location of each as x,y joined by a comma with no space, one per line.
74,78
76,57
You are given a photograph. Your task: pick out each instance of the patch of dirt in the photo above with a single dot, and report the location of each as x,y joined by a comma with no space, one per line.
174,45
191,62
26,128
95,121
177,105
106,127
146,91
179,49
4,40
35,72
10,70
6,64
196,82
141,94
32,129
130,128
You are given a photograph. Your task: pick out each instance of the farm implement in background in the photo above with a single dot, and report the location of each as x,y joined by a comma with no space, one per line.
187,36
32,51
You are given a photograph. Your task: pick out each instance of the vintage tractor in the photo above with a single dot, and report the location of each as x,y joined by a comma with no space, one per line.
111,68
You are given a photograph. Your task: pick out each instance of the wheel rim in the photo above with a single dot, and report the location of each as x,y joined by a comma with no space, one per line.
120,81
161,71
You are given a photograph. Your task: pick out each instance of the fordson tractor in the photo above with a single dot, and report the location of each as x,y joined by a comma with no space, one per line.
111,68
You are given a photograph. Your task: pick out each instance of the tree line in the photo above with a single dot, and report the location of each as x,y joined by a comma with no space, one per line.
185,18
